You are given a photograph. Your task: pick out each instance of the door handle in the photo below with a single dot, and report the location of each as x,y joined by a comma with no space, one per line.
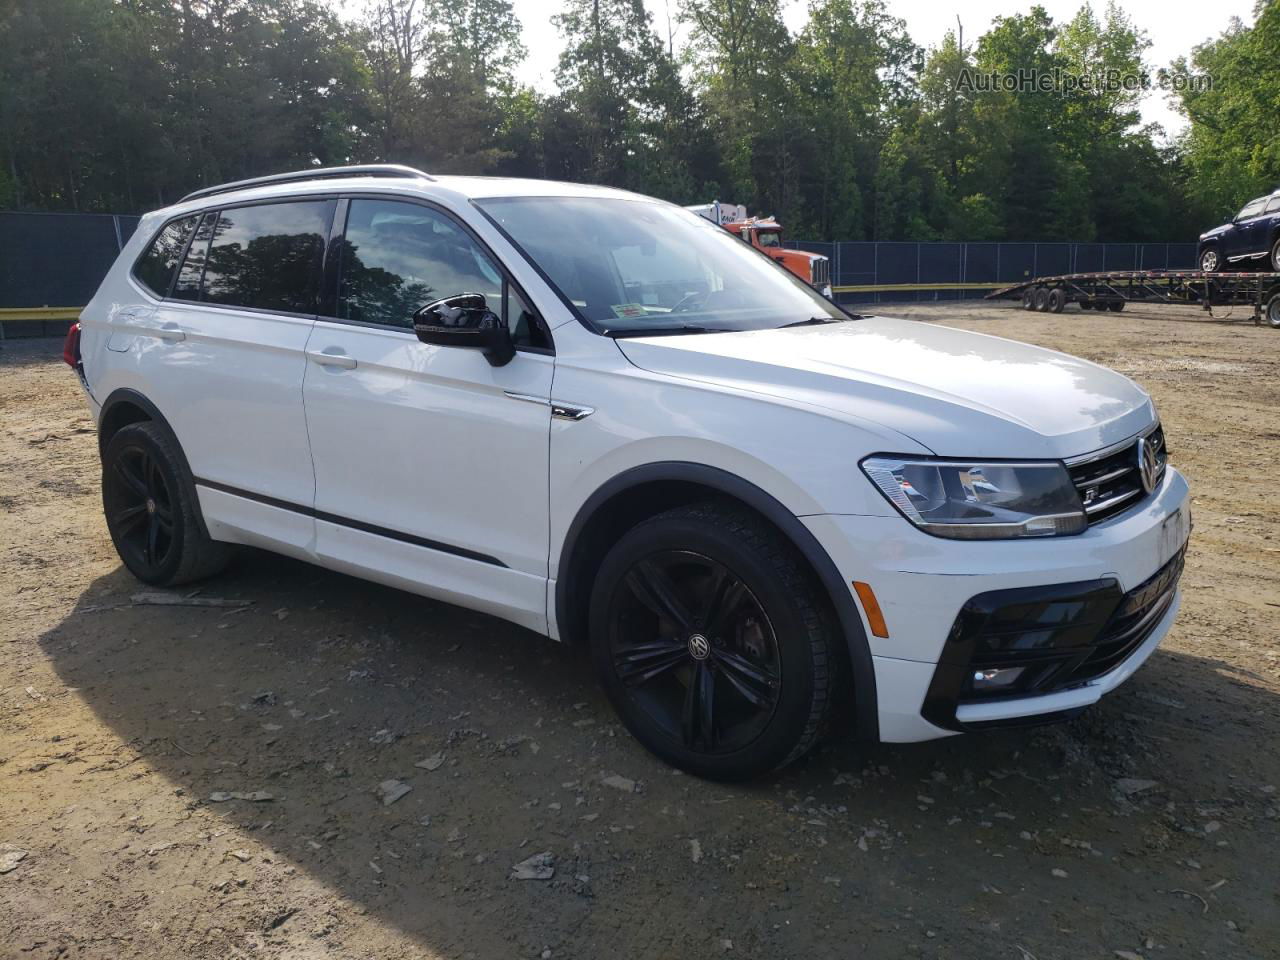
330,358
169,331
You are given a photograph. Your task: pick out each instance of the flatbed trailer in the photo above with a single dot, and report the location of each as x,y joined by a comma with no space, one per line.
1112,290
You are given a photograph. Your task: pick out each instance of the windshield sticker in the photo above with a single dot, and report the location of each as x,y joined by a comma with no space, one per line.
629,311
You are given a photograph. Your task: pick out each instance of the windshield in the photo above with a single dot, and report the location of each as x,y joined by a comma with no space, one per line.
769,238
631,267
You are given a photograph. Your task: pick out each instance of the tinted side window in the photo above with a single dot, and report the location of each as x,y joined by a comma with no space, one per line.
188,285
268,256
155,269
398,257
1251,209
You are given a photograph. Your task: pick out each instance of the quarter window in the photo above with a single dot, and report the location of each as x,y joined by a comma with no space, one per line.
1273,204
267,256
155,269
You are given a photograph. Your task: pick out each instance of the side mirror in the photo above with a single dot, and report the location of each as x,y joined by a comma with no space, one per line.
465,321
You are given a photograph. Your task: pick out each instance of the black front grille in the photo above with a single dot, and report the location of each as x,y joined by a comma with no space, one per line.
1057,637
1130,624
1111,483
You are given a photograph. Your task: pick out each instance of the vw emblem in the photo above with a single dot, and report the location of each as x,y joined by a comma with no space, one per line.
699,647
1148,466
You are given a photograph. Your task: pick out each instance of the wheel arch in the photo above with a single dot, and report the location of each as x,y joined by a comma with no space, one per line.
124,406
643,491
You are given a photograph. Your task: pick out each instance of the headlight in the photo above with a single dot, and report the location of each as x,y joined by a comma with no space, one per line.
965,500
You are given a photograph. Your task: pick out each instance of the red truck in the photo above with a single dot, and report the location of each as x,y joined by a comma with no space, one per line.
765,234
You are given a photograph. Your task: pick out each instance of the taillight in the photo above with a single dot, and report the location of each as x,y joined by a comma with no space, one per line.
71,347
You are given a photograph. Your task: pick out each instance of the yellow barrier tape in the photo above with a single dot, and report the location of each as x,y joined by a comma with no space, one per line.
40,313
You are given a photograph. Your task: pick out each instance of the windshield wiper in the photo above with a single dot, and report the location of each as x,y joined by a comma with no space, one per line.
811,322
667,331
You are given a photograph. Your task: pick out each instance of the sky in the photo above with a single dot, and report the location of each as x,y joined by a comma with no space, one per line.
1173,26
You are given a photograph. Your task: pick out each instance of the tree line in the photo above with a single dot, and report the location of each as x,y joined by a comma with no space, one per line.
845,130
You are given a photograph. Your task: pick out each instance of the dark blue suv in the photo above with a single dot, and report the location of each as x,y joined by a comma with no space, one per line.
1253,235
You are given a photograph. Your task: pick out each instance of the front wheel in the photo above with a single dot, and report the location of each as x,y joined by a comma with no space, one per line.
152,513
710,638
1209,260
1275,256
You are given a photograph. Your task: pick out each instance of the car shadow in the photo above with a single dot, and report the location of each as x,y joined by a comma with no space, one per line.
316,688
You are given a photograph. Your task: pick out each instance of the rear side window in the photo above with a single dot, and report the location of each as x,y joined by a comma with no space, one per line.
1273,204
267,256
155,269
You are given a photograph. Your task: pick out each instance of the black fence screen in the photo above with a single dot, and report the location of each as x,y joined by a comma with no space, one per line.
57,259
958,271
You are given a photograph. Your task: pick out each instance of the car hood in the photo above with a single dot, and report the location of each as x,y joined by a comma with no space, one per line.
956,393
1216,231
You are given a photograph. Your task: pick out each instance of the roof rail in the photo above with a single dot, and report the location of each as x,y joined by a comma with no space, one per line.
316,173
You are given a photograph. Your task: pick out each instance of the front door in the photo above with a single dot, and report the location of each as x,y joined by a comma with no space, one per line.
431,464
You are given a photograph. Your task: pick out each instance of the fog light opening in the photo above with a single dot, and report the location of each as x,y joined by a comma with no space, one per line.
995,679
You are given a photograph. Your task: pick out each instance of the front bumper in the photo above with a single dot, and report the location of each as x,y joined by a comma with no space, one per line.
924,583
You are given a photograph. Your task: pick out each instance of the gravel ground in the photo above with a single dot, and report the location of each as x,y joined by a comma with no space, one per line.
1146,828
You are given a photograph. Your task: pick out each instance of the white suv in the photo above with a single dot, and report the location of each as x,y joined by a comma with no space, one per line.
601,417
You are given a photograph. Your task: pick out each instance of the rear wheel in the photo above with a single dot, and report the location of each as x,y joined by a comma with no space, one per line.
1209,260
1057,300
1029,298
152,513
1086,304
1115,306
1042,299
710,638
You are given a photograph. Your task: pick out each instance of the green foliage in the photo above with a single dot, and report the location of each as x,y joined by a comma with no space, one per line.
1232,148
845,130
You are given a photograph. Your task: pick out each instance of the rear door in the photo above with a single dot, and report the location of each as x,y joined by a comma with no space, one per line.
431,464
223,359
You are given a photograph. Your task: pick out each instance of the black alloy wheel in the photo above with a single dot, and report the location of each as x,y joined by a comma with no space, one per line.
713,641
138,499
151,508
695,651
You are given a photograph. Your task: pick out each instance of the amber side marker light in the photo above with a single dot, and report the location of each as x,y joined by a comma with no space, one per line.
871,606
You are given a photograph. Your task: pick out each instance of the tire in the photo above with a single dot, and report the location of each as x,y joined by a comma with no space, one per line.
765,658
1057,300
1115,306
1086,304
153,516
1042,299
1274,259
1209,260
1029,298
1273,311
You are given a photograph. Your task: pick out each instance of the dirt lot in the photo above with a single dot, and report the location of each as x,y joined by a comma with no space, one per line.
119,723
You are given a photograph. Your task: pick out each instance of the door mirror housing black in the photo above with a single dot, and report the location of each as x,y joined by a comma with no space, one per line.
465,320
